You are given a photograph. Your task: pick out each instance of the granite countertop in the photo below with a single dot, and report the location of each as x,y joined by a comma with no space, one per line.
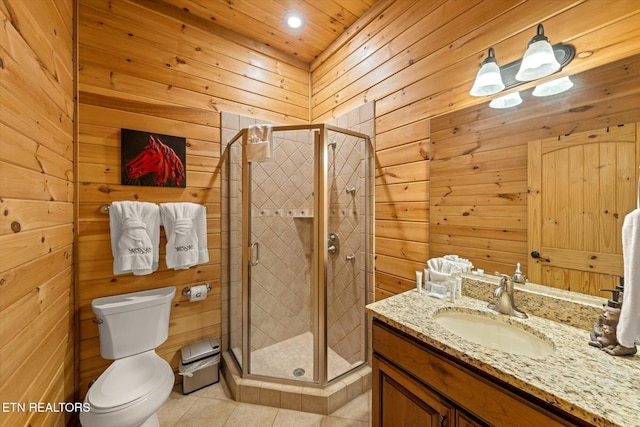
578,378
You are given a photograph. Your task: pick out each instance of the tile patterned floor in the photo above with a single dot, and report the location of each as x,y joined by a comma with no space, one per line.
213,406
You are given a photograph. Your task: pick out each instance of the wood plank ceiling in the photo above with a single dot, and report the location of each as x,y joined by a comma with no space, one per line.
265,21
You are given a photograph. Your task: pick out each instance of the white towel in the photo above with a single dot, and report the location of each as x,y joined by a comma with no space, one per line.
258,147
444,266
135,237
464,264
628,332
185,225
258,151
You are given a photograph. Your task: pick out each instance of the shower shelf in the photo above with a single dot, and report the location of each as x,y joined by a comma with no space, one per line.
300,213
284,213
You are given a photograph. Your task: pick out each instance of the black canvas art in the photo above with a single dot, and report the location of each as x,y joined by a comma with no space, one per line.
152,159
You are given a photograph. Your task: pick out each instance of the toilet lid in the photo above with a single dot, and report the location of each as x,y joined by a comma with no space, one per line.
128,379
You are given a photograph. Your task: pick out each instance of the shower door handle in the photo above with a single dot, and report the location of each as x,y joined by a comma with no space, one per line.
257,260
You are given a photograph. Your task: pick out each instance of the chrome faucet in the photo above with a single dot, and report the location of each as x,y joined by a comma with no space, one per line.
505,304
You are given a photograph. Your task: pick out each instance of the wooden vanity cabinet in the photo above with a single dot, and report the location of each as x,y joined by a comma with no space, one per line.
464,419
404,401
415,385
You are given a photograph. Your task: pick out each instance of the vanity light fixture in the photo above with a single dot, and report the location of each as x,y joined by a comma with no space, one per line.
488,80
506,101
553,87
539,60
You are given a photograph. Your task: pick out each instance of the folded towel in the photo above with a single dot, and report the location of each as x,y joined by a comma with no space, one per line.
135,237
464,264
628,331
185,225
444,266
258,151
258,147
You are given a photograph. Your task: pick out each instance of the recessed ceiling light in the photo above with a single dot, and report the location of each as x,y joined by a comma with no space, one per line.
294,21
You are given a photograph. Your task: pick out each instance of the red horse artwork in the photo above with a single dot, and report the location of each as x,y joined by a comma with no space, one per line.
154,164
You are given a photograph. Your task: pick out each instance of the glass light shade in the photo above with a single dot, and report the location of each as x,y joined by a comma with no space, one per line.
506,101
488,81
294,21
553,87
539,61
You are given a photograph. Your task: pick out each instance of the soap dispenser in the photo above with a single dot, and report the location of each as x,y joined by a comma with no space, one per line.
620,286
603,334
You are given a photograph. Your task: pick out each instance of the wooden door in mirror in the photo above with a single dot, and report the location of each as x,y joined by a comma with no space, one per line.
581,186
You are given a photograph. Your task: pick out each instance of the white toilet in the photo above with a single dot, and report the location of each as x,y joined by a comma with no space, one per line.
132,389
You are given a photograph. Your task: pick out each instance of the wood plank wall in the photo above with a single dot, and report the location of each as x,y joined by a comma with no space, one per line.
418,60
36,200
148,66
479,161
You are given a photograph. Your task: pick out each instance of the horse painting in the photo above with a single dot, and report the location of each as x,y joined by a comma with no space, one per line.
155,158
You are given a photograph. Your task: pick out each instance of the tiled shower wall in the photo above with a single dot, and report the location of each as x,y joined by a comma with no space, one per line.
282,213
282,223
346,280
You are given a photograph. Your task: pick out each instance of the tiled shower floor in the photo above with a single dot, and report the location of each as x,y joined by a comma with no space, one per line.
281,359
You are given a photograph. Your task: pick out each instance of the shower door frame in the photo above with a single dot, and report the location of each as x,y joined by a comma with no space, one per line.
320,246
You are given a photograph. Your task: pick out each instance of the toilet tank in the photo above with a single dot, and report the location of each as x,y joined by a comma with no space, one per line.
133,323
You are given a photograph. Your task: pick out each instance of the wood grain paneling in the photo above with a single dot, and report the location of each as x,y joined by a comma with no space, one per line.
478,205
151,67
36,201
450,185
418,61
265,21
581,188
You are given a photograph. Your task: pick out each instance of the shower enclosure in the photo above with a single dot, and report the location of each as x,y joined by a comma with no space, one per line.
297,243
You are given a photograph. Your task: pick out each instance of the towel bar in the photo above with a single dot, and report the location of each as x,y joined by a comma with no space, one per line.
104,209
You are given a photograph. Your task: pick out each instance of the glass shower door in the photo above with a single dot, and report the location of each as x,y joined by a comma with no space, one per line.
231,241
347,221
279,227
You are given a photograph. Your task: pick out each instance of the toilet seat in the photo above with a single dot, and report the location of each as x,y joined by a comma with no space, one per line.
127,381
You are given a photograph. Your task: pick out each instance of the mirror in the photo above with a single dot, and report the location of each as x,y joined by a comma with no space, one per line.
479,163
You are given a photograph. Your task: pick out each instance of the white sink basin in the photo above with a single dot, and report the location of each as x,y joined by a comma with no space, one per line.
494,333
